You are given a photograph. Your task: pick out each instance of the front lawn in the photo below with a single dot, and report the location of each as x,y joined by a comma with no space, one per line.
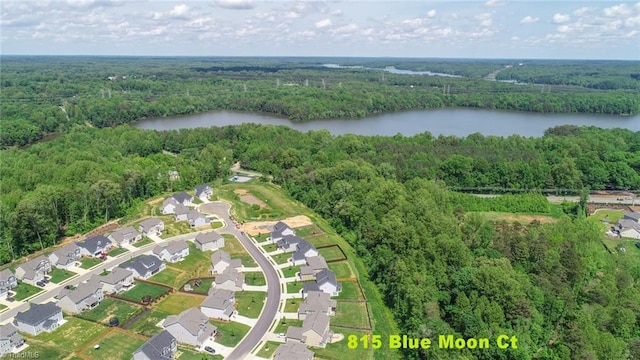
110,307
235,249
177,303
230,333
216,224
291,271
270,247
185,353
73,335
350,313
117,345
89,262
170,277
146,325
268,349
140,290
25,290
281,258
255,279
285,323
143,242
117,251
292,305
295,287
250,303
60,275
262,237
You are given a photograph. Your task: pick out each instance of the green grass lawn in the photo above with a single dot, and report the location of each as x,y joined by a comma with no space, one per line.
292,305
117,251
170,277
250,303
230,332
255,278
43,351
340,350
351,314
341,269
73,335
331,253
196,264
142,289
350,290
146,325
244,211
290,271
610,215
216,224
60,275
308,231
2,307
262,237
205,285
177,303
185,353
281,258
143,242
268,349
89,262
117,345
25,290
237,251
110,307
285,323
295,287
270,247
173,228
325,239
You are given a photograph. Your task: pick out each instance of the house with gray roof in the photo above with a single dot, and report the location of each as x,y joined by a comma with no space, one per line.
303,250
144,266
628,228
94,246
168,206
221,260
197,219
183,198
219,304
289,243
33,270
314,331
280,229
292,351
325,282
317,302
162,346
190,327
313,265
125,236
181,212
10,340
173,252
66,256
209,241
118,280
230,279
8,281
151,226
85,296
39,318
204,191
633,216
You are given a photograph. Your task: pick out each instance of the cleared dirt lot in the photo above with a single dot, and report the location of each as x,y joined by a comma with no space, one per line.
248,198
263,227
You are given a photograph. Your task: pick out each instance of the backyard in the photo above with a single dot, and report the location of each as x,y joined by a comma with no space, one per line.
332,253
237,251
177,303
353,314
146,325
339,349
171,277
350,290
196,264
71,336
110,307
141,290
341,269
116,345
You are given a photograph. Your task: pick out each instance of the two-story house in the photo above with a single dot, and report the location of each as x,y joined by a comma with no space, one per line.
8,281
161,346
125,236
10,340
209,241
221,260
144,266
219,304
151,227
66,256
84,297
190,327
203,192
174,252
94,246
39,318
33,270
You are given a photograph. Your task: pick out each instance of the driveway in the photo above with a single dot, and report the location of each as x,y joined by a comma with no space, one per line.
242,350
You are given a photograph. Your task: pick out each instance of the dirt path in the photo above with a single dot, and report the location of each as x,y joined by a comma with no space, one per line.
262,227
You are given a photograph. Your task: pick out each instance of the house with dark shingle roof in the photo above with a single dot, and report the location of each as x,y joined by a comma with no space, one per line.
66,256
10,340
144,266
633,216
203,191
183,198
292,351
289,243
39,318
94,246
280,229
162,346
208,241
325,282
219,304
190,327
303,250
151,226
125,236
173,252
33,270
8,281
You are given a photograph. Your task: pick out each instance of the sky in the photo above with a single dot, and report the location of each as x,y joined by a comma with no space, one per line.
570,29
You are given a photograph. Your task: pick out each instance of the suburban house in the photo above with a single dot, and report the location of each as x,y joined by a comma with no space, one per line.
183,198
633,216
116,281
314,264
33,270
125,236
9,339
209,241
8,281
314,331
280,230
94,246
151,226
289,243
66,256
197,219
86,296
204,191
221,260
219,304
317,302
190,327
168,206
292,351
325,282
39,318
161,346
144,266
230,279
181,212
628,228
303,250
174,252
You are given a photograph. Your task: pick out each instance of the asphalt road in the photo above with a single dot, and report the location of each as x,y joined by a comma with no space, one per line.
273,283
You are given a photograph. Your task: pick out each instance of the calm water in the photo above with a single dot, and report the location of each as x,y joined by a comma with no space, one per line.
459,122
390,69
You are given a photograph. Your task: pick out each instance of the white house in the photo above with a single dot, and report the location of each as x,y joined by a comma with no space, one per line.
197,219
94,246
8,281
144,266
39,318
125,236
66,256
168,206
190,327
303,250
209,241
151,226
221,260
230,279
219,304
203,192
325,282
85,296
280,230
10,340
33,270
174,252
181,212
161,346
116,281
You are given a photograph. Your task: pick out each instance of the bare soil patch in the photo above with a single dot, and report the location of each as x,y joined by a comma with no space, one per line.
527,218
263,227
249,198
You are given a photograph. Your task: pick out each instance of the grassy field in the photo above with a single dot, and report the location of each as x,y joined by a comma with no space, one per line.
117,251
296,286
110,307
285,323
277,207
170,277
270,247
196,264
331,253
205,286
351,291
177,303
250,303
291,271
143,242
307,231
262,237
185,353
609,215
341,269
43,351
25,290
116,345
351,314
268,349
60,275
255,279
237,251
323,240
340,350
173,228
281,258
292,305
146,325
142,289
89,262
73,335
230,332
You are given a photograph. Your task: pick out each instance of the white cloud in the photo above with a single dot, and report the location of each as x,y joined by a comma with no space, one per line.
179,12
485,19
561,18
617,10
529,20
494,3
291,15
515,38
431,13
323,23
583,10
234,4
336,12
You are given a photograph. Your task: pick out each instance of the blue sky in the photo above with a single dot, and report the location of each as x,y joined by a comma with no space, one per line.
470,29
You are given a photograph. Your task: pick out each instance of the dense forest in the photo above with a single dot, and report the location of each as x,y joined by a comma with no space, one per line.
441,267
45,95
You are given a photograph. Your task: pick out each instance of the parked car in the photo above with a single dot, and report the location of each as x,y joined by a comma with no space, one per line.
40,283
209,349
10,299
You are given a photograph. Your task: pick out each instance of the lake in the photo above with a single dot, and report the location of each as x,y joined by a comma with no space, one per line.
448,121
